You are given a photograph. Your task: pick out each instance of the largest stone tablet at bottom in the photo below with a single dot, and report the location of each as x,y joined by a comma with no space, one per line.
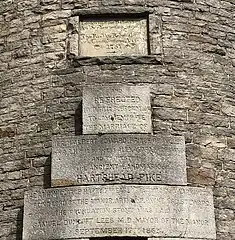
124,210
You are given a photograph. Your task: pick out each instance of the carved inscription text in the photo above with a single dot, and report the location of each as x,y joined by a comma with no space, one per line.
110,37
97,211
118,158
116,109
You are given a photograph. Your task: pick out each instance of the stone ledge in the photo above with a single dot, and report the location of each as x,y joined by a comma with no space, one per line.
125,60
112,10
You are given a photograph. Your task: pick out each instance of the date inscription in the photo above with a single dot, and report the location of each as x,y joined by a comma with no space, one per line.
119,210
113,37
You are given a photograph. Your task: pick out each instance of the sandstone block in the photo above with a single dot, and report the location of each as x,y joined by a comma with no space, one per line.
124,210
113,37
116,109
118,158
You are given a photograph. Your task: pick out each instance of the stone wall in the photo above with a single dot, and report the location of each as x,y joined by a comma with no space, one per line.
191,74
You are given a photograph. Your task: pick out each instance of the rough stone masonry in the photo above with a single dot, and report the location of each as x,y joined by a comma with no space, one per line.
190,70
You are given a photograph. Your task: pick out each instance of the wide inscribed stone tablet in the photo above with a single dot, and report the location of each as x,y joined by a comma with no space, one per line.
124,210
118,158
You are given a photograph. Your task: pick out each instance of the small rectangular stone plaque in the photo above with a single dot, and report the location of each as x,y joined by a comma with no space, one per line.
118,158
119,210
116,109
113,37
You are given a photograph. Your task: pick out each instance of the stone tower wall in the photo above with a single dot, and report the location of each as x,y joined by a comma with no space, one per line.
190,70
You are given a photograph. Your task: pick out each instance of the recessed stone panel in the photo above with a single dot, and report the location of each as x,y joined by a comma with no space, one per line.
118,158
113,37
119,210
116,109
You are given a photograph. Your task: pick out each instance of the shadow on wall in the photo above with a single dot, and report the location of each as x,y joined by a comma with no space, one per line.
19,226
47,173
47,170
78,119
46,184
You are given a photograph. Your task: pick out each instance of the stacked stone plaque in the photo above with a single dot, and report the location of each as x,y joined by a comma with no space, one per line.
128,181
119,210
116,109
118,158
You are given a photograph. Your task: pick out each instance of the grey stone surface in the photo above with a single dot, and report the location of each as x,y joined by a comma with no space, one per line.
194,77
118,158
124,210
113,37
116,109
174,239
121,10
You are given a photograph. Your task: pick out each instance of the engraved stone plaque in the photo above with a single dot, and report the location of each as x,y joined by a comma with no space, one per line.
118,158
119,210
116,109
113,37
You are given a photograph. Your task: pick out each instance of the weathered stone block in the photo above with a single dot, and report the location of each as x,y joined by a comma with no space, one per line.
118,158
113,37
116,109
124,210
174,239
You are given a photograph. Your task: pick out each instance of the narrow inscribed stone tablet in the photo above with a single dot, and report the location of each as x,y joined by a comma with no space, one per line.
116,109
118,158
113,37
119,210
